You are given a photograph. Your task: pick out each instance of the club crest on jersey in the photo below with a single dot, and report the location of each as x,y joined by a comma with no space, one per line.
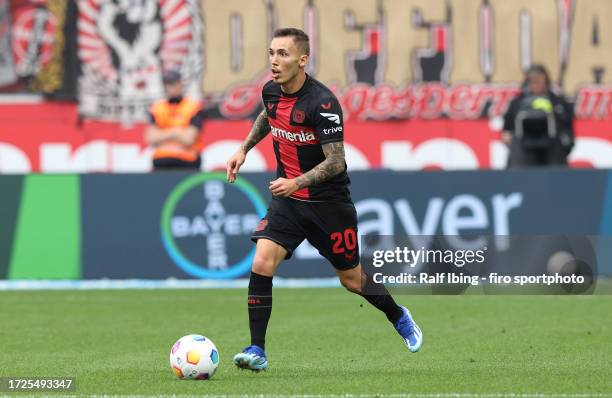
299,116
326,106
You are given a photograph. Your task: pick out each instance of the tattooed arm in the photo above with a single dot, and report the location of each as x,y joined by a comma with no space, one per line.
333,165
260,129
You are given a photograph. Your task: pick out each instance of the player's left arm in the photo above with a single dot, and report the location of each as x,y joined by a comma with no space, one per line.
333,165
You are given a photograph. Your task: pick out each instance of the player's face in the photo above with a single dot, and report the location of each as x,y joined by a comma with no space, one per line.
286,60
536,83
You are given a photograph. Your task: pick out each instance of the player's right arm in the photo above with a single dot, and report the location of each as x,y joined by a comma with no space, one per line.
260,129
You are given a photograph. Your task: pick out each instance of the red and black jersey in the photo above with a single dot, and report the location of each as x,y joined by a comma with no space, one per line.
300,123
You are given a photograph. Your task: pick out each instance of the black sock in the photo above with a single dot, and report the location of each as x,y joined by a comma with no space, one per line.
378,295
260,307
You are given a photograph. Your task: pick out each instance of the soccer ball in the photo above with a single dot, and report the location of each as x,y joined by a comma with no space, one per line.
194,357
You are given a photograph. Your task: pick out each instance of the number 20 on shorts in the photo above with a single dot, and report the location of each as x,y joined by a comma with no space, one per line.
344,241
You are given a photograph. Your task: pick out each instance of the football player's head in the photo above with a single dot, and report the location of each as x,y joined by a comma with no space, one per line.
288,52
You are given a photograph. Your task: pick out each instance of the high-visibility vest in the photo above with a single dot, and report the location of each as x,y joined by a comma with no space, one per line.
166,116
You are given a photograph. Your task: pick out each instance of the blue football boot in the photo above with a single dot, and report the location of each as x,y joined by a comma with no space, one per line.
409,330
252,358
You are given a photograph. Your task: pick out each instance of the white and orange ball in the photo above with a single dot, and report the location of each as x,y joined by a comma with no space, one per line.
194,357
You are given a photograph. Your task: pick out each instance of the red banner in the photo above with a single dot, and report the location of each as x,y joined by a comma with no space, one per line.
50,138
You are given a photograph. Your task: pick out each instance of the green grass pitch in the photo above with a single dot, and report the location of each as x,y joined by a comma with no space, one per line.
320,341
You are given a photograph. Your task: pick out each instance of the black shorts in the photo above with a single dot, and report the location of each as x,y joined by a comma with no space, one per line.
331,227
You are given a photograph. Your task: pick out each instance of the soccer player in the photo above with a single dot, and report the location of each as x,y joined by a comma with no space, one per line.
310,198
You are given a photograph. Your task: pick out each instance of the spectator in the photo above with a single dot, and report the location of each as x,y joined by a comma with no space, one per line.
538,126
174,128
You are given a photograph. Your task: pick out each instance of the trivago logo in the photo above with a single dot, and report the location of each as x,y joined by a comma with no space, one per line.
206,222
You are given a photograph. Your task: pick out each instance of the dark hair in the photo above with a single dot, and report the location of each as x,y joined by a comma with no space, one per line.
300,38
537,68
171,77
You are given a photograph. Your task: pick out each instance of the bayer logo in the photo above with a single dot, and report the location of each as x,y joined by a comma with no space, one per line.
206,223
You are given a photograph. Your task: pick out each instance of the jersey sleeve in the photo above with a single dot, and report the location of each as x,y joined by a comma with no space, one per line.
328,120
266,92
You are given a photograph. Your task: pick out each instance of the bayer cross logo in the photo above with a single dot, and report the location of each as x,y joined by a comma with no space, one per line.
213,227
206,224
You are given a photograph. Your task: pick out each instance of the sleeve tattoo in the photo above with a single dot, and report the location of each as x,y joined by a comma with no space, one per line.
260,129
333,165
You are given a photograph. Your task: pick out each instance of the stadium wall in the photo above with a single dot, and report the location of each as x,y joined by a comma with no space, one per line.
175,225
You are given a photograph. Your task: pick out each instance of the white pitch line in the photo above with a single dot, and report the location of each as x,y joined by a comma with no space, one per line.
120,284
414,395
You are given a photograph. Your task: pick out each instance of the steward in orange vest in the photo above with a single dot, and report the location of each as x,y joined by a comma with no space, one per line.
174,129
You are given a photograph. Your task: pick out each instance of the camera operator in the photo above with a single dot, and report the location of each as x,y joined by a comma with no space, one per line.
538,126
